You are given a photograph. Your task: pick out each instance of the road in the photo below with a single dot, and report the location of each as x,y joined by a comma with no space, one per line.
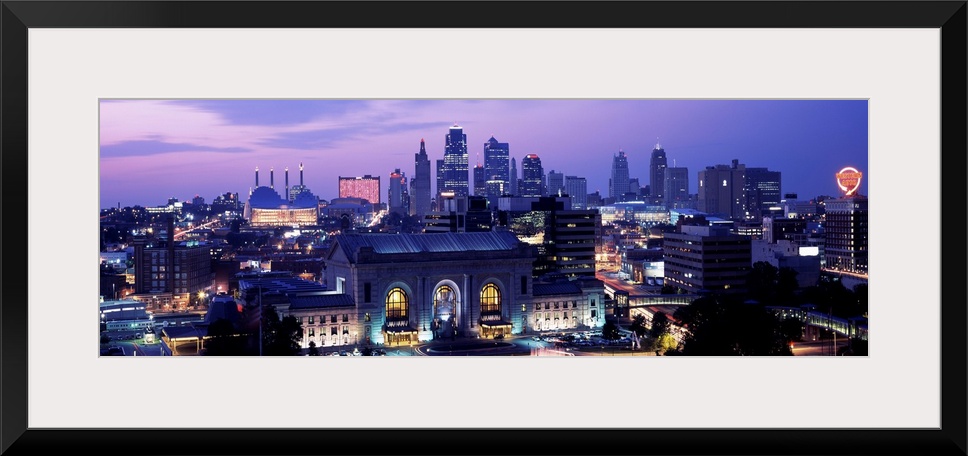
818,348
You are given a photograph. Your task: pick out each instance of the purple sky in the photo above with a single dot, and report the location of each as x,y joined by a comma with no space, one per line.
151,150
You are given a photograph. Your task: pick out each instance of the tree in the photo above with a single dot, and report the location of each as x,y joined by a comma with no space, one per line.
638,325
833,297
761,282
719,325
280,337
664,343
610,331
860,293
313,351
660,325
857,347
786,286
668,289
224,339
105,338
791,329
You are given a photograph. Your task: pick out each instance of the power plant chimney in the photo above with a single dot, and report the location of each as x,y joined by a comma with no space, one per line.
257,177
300,174
272,178
287,183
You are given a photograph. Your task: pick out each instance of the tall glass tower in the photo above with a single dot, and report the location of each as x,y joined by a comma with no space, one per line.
762,188
657,168
618,185
532,176
454,169
676,189
496,167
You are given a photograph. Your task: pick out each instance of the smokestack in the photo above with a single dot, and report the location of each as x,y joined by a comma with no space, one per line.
257,177
272,178
300,174
287,183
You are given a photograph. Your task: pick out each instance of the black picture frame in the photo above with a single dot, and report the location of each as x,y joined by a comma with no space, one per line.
18,16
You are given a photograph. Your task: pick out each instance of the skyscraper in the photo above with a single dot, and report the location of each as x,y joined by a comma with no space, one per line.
398,185
762,189
440,174
496,171
618,185
420,183
707,259
676,189
721,190
556,183
657,168
455,163
532,176
845,230
480,182
577,189
512,179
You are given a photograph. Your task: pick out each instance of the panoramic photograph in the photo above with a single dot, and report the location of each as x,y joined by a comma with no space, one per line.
483,227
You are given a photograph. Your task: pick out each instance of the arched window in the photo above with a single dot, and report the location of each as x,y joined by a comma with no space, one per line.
398,304
490,299
445,300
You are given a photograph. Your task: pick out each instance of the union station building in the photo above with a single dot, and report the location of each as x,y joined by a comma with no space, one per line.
420,287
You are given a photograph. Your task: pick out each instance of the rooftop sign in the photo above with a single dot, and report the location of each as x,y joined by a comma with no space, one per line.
848,179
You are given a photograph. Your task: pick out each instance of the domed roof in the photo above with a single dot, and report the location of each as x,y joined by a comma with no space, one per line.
265,198
305,199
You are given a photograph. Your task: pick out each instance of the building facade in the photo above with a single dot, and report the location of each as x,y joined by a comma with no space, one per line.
721,190
227,205
168,273
513,179
265,208
577,189
675,191
420,184
397,191
496,171
454,172
480,181
412,287
657,168
707,259
618,184
532,176
845,232
762,189
366,187
556,183
565,305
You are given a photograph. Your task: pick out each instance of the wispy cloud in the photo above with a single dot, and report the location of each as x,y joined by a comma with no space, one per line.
155,147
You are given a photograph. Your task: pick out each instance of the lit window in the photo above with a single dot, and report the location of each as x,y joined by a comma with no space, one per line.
490,298
397,304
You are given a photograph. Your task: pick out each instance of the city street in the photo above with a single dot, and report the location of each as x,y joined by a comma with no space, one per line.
817,348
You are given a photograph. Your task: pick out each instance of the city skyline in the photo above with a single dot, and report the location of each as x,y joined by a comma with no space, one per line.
152,150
